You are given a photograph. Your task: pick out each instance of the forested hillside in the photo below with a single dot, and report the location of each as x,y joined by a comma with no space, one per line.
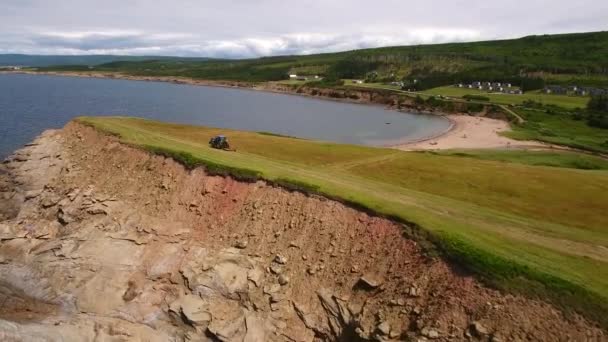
530,61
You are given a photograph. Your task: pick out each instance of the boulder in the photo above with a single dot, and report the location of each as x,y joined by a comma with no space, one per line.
478,329
279,259
369,281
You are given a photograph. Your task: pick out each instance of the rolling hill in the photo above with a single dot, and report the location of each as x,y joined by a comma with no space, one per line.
85,60
559,59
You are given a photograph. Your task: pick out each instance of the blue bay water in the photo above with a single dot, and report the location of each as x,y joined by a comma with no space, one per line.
29,104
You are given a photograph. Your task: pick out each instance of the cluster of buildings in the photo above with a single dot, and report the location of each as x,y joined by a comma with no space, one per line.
303,78
495,87
574,90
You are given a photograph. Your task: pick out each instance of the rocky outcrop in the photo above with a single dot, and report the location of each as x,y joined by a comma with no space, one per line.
100,241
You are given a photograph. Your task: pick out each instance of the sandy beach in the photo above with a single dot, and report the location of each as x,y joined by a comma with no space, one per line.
470,132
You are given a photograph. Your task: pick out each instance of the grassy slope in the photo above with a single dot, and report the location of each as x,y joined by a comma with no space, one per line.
563,159
570,102
561,129
518,226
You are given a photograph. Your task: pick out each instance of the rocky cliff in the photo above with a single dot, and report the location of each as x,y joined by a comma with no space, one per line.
103,242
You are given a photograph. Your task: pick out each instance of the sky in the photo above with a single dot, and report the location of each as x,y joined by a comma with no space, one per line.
250,28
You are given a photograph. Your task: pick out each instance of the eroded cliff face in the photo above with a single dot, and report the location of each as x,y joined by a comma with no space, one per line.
100,241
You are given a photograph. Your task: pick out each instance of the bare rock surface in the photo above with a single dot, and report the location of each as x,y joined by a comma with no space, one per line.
103,242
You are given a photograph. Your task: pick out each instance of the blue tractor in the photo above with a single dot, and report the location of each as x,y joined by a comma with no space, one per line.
219,142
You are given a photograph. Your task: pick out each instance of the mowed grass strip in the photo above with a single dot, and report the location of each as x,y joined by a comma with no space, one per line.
536,229
564,159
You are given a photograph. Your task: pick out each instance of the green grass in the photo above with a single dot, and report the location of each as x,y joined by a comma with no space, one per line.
533,229
561,129
293,82
569,102
351,83
561,159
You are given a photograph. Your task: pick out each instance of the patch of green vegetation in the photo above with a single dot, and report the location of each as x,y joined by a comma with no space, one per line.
372,85
518,278
562,159
532,229
565,101
469,97
296,185
559,127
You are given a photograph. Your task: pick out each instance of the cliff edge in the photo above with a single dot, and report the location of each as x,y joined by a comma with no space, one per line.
102,241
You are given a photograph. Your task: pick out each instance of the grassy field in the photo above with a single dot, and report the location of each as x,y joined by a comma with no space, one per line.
564,101
540,230
561,129
562,159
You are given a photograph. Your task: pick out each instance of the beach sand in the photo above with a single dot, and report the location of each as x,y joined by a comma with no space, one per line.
470,132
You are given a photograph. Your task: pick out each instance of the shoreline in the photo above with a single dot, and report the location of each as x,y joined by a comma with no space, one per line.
268,87
439,141
471,132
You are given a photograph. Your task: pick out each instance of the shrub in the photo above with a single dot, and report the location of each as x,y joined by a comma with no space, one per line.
598,120
474,107
598,103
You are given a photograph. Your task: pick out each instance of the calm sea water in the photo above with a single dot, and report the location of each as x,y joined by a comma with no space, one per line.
29,104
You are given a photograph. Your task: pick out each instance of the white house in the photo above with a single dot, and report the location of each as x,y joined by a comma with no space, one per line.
293,76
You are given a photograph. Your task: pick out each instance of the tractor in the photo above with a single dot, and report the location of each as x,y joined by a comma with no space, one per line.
219,142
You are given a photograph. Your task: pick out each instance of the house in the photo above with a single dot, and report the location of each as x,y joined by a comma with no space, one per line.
292,76
597,91
358,81
460,85
555,89
496,84
508,85
581,92
476,84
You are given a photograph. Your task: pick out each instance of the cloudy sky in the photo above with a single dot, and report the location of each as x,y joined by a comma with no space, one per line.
249,28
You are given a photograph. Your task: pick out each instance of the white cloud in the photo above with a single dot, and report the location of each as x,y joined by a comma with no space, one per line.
244,28
132,42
